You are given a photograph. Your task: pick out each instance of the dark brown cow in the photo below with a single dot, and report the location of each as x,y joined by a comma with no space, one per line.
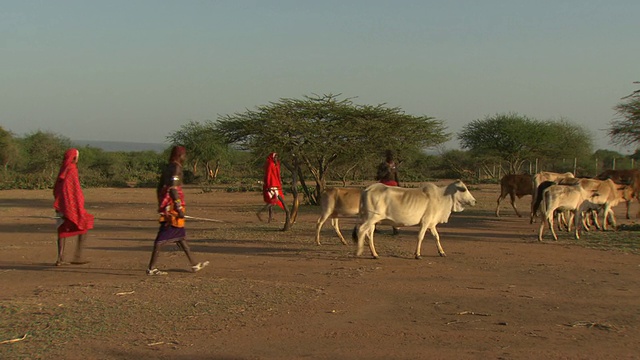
629,177
514,185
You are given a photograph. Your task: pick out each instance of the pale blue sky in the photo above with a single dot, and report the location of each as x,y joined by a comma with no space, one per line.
137,70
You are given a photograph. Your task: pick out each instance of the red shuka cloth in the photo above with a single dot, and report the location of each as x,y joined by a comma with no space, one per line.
272,180
69,200
389,182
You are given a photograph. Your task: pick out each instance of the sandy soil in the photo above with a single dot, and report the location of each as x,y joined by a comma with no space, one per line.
268,294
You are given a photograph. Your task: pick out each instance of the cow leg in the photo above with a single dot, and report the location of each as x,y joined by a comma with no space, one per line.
577,222
372,247
533,202
366,230
512,196
435,234
610,217
559,215
590,220
540,230
421,234
628,202
594,218
361,232
551,225
321,220
564,219
336,227
502,196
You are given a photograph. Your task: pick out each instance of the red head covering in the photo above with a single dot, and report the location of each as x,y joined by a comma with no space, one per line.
67,192
272,179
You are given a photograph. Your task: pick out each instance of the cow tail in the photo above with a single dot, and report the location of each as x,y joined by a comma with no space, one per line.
361,216
545,203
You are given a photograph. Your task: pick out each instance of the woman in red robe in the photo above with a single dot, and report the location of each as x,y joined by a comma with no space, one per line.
272,187
73,219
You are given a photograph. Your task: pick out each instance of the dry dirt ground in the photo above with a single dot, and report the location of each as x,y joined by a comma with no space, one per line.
268,294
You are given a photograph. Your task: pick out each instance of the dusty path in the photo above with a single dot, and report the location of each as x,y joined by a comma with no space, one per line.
499,294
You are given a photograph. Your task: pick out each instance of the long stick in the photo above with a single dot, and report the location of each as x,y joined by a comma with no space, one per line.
202,219
186,217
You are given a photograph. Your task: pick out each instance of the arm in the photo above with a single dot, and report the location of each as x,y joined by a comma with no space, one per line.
174,181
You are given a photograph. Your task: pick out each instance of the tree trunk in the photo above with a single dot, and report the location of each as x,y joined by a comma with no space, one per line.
293,214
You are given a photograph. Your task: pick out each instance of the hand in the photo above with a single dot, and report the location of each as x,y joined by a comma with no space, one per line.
180,212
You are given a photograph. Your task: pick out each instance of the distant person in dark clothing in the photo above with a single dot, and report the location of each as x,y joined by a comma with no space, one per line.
388,174
388,170
172,208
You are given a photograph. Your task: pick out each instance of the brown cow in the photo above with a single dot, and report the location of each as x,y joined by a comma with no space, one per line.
629,177
514,185
336,203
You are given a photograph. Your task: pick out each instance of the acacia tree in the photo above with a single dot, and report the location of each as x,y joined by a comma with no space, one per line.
515,139
625,130
204,145
43,152
312,133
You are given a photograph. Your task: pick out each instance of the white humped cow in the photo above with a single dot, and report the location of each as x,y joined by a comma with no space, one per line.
427,207
572,198
538,179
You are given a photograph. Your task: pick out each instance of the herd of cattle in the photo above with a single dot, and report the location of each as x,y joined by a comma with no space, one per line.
573,202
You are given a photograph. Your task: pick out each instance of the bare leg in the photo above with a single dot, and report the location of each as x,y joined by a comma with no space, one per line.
260,212
154,256
270,206
182,244
195,267
60,260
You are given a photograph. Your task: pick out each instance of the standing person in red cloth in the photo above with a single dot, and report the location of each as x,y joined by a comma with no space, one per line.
72,218
272,187
172,207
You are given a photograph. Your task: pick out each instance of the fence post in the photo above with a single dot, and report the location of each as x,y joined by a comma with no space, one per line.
613,166
575,166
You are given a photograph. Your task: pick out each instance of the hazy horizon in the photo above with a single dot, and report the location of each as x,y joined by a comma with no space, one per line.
135,71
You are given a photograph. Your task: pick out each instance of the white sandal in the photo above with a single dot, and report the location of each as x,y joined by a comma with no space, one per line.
199,266
152,272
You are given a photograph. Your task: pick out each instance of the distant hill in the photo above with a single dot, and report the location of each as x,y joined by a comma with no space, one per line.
121,145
